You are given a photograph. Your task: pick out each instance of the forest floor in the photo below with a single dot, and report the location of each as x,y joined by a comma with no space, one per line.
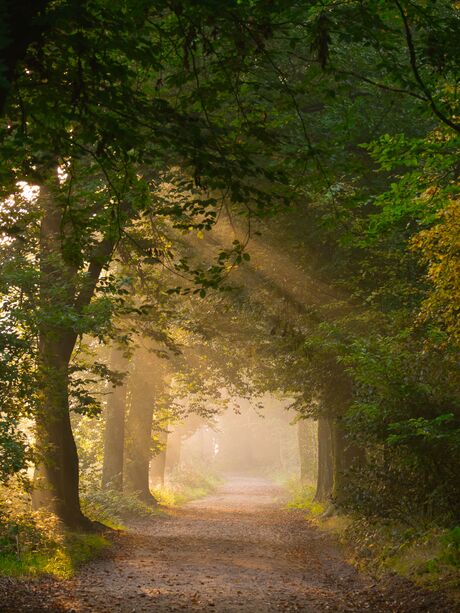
238,550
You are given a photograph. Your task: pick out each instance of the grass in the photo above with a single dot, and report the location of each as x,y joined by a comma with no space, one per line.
302,497
61,562
428,555
176,496
184,486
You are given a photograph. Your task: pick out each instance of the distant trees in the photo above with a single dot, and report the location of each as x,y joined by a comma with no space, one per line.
114,428
146,384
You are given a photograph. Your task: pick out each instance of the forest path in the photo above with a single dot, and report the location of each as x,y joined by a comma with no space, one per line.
235,551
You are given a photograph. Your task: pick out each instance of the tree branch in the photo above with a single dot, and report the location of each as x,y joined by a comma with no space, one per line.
415,70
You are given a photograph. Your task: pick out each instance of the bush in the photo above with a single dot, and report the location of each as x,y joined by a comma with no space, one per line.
406,416
112,507
186,484
25,532
14,450
35,543
301,497
451,547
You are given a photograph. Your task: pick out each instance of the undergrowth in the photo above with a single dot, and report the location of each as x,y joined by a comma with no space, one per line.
428,555
424,552
302,497
34,543
113,508
185,485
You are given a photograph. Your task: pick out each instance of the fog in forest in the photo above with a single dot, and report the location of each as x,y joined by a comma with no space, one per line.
254,438
229,306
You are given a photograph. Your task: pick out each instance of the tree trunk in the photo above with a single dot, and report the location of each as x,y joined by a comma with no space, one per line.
56,477
56,480
302,438
346,454
173,451
114,434
139,431
158,462
325,464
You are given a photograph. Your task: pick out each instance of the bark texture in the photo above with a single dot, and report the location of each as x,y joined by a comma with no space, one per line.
325,461
302,437
346,455
56,477
114,434
139,429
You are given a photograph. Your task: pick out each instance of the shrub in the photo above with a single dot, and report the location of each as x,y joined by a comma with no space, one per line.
451,547
301,497
112,507
186,484
35,542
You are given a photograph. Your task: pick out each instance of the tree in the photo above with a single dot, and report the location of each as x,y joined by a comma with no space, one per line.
101,108
324,481
114,434
135,116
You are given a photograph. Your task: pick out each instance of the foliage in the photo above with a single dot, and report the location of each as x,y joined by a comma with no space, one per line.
425,554
438,246
35,543
186,484
13,449
405,415
165,119
302,497
112,508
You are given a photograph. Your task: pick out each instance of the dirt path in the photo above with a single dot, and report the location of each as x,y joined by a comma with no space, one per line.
236,551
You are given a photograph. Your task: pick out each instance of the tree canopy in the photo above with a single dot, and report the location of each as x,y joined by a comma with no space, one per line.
265,189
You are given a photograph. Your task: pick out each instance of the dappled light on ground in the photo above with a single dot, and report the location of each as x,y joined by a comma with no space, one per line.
237,550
